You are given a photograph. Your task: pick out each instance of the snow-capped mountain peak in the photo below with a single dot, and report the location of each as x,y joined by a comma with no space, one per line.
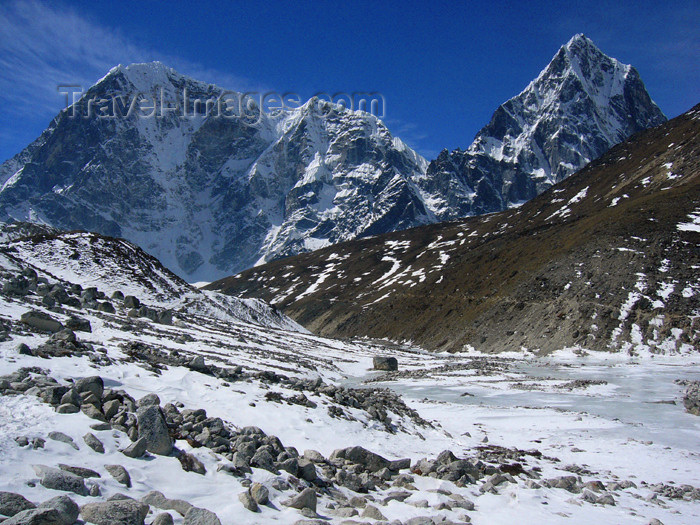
211,187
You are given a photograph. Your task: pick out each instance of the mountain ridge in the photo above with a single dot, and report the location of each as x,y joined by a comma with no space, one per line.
605,260
212,196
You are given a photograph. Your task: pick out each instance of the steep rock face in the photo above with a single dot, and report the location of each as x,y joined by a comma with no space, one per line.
579,106
212,195
605,260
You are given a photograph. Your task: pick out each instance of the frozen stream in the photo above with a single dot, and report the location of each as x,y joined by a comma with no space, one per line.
637,395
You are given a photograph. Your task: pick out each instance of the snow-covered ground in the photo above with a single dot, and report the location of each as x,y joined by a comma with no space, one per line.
602,417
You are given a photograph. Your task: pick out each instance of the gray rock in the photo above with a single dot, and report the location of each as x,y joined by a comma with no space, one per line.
93,412
12,503
260,493
248,502
306,470
115,512
148,400
152,427
198,364
60,436
110,408
67,408
78,324
190,463
157,499
196,516
131,302
57,479
372,512
163,519
93,384
83,472
41,321
263,459
94,443
120,474
420,520
388,364
35,517
306,499
314,455
691,398
67,509
53,394
106,307
371,461
136,449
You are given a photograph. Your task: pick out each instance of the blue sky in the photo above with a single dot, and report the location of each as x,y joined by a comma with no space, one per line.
443,67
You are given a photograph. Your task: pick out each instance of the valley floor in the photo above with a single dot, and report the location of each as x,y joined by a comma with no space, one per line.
606,419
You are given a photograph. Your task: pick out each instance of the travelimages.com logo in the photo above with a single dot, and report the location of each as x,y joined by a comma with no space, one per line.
248,107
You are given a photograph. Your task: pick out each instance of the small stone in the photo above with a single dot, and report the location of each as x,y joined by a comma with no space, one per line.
60,436
93,384
197,516
305,499
67,408
83,472
163,519
120,474
148,400
248,502
136,449
260,493
94,443
372,512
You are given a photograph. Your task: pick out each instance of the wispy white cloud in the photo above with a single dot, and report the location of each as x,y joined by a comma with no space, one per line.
43,45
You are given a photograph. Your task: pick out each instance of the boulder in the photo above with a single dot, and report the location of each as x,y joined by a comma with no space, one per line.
41,321
67,509
148,400
196,516
78,324
163,519
361,456
260,493
57,479
388,364
691,398
131,302
153,428
36,517
12,503
115,512
306,499
93,384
